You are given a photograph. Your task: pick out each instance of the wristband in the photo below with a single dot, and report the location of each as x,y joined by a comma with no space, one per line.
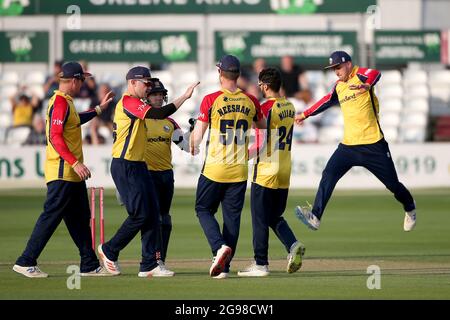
98,109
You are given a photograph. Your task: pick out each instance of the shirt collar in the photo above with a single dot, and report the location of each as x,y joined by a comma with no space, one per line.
66,96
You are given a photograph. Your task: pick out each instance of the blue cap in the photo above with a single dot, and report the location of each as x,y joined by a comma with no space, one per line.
229,63
138,72
73,69
157,86
338,57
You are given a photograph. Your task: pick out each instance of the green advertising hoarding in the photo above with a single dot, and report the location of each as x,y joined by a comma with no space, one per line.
118,46
400,47
24,7
308,48
24,46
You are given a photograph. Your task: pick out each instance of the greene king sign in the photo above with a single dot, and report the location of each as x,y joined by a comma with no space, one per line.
155,47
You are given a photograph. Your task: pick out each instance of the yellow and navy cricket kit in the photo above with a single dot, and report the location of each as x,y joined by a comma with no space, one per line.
360,111
273,163
230,116
158,151
130,134
64,144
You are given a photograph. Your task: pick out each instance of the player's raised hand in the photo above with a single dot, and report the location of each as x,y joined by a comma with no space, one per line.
106,100
82,171
299,117
190,90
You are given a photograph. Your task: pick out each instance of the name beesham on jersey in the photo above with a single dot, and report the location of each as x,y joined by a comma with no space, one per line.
233,108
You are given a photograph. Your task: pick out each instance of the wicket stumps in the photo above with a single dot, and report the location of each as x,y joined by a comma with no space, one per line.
93,193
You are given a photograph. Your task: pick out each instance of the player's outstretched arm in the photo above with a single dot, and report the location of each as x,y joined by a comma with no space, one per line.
188,93
197,136
320,106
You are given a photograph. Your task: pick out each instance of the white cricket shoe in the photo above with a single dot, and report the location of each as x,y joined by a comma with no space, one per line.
99,272
307,217
254,270
410,220
221,259
294,257
159,271
110,266
222,275
30,272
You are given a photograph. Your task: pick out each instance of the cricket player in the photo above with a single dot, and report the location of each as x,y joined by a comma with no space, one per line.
131,177
229,114
65,175
363,144
158,157
271,177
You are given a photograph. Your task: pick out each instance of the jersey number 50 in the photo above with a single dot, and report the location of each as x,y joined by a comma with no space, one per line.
230,132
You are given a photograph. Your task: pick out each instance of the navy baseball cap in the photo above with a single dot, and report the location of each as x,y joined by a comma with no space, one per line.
338,57
229,63
157,86
73,69
138,72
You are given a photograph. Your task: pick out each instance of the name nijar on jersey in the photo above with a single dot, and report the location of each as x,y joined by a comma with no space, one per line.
286,114
233,108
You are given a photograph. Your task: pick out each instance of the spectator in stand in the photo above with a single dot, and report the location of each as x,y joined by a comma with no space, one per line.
51,83
295,84
37,134
89,88
105,119
23,108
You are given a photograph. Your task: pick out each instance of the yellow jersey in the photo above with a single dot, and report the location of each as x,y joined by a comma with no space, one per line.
23,115
230,116
129,132
158,151
273,163
64,145
360,110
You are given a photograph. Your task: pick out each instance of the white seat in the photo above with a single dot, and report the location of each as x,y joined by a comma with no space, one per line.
440,93
5,120
319,92
416,105
330,79
210,77
36,90
416,119
306,133
440,76
34,78
414,77
393,91
390,133
82,104
412,134
390,119
8,91
417,91
17,136
331,134
390,77
187,77
10,77
391,105
315,78
5,106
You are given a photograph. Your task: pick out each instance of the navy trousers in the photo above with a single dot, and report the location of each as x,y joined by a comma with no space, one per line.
267,206
209,195
69,201
374,157
136,189
164,186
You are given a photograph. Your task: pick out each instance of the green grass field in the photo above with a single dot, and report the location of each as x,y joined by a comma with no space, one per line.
359,229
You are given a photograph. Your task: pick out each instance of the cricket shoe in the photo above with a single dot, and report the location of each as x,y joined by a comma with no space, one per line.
221,259
30,272
98,272
159,271
222,275
410,220
255,270
295,256
307,217
110,266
